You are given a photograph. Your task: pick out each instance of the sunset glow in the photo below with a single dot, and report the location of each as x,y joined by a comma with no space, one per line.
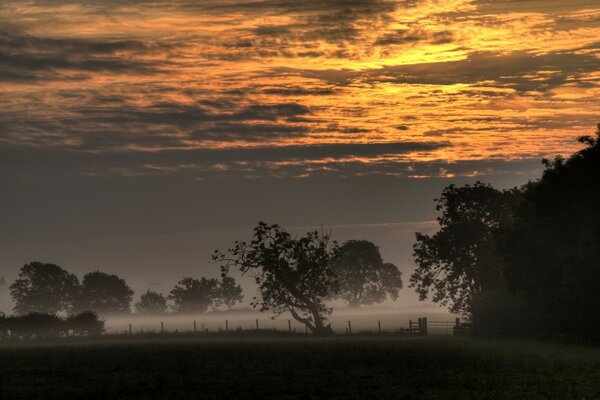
440,81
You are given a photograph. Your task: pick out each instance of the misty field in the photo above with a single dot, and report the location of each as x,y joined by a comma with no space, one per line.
384,367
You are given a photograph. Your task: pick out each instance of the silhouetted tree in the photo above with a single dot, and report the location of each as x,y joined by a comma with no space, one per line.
461,260
229,292
87,323
43,288
151,303
38,325
552,250
104,293
363,278
292,274
195,295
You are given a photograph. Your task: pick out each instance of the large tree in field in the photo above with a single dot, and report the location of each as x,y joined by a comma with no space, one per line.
105,294
552,250
292,274
195,295
43,288
151,303
363,278
461,261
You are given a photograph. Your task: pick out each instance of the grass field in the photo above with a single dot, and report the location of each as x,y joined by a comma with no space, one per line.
297,368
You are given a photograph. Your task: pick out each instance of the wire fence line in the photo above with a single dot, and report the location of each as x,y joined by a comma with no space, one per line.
421,326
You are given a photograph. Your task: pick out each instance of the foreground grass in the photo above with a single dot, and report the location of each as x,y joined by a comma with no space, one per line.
297,368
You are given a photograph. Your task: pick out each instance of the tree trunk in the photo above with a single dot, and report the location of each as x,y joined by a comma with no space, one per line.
317,326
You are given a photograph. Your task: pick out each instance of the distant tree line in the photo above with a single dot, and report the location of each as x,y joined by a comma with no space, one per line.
520,260
297,275
50,289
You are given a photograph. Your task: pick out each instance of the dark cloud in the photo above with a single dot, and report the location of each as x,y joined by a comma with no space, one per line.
299,91
25,160
24,57
119,124
415,35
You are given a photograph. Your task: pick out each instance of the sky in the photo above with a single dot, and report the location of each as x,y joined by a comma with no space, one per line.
138,136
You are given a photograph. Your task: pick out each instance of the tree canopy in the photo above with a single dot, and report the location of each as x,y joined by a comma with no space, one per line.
461,260
292,274
363,278
552,250
229,292
104,293
195,295
151,303
43,288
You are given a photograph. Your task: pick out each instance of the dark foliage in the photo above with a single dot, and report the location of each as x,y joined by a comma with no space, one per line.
229,292
104,293
461,262
363,278
195,295
292,274
552,250
43,288
151,303
36,325
86,323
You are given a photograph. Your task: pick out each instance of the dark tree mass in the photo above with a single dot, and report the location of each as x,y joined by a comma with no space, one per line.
362,276
151,303
44,288
461,261
104,293
195,295
229,292
520,260
552,250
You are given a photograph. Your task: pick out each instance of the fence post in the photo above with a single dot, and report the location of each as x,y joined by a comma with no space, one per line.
289,326
306,329
226,326
379,326
424,322
195,326
349,328
162,327
130,331
257,324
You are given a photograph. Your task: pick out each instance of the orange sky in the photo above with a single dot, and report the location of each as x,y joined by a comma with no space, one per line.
469,80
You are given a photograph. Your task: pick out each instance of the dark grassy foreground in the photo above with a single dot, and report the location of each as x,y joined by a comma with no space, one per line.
297,368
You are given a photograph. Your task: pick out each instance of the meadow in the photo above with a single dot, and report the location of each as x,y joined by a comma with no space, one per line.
296,367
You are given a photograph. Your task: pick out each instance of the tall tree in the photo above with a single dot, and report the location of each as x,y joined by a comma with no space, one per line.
461,261
363,278
43,288
553,248
151,303
292,274
229,292
105,294
195,295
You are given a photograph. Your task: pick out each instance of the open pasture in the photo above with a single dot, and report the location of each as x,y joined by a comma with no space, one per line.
358,367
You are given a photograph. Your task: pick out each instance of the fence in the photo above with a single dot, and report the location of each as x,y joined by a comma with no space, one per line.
421,327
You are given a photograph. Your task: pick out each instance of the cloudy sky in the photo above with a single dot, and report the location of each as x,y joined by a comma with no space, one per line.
137,136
